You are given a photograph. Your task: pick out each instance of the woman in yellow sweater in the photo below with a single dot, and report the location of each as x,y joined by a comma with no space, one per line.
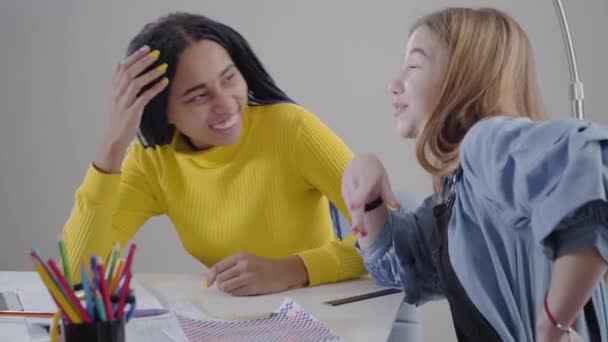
243,173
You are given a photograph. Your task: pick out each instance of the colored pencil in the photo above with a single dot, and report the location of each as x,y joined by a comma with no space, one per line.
53,289
87,291
123,295
103,288
65,263
70,296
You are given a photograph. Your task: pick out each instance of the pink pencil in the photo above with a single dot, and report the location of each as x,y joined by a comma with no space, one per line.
123,295
129,262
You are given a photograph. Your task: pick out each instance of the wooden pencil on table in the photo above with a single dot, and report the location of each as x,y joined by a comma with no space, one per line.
33,314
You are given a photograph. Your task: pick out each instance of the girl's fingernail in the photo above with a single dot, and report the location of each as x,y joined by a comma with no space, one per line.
162,67
391,208
165,81
154,54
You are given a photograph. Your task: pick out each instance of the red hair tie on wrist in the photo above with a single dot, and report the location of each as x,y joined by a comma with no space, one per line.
566,329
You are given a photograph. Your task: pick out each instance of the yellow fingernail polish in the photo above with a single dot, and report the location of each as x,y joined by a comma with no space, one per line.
391,208
154,54
163,67
165,81
206,285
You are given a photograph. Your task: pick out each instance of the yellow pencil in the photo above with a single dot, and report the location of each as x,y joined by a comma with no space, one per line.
116,277
56,293
55,327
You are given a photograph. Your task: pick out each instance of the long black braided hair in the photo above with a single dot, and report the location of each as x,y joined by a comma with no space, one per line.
172,34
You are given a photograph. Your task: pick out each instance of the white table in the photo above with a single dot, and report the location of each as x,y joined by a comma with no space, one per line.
367,320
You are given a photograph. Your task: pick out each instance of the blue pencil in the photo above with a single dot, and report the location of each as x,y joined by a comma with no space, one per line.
87,292
94,270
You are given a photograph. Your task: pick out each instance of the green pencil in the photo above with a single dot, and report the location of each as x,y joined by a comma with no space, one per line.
64,262
99,304
112,263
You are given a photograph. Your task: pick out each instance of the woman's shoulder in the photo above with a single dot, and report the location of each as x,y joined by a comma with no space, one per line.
284,113
285,120
500,136
492,128
145,156
518,160
510,130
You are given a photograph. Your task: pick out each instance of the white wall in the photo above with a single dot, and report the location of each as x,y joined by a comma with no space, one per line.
334,57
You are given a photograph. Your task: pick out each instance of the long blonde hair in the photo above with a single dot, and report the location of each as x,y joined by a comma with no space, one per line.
490,71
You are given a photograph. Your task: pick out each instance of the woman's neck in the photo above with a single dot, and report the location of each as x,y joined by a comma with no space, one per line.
193,146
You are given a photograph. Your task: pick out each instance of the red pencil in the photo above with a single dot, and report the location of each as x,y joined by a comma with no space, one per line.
103,289
123,295
129,262
69,293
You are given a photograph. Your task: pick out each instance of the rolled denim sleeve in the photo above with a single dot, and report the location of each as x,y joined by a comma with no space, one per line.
401,256
381,261
588,226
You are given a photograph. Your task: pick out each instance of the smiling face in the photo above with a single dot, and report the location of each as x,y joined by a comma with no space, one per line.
416,86
207,97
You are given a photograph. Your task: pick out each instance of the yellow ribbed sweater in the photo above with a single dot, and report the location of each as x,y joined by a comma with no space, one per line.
266,195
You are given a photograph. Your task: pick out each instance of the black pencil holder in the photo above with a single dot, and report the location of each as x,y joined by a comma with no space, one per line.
98,331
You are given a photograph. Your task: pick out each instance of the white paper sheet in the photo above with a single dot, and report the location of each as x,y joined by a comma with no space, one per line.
145,298
163,328
16,329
